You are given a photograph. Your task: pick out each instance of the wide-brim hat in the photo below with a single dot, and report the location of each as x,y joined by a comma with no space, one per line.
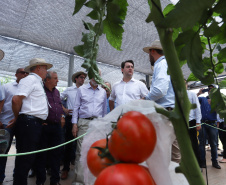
37,62
154,45
76,74
2,54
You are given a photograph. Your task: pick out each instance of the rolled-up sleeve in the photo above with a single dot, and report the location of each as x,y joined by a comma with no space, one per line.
76,107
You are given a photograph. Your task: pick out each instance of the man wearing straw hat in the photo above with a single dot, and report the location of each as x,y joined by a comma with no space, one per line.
30,109
161,90
69,94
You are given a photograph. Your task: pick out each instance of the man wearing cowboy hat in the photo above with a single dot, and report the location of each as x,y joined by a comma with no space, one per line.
161,90
69,94
30,109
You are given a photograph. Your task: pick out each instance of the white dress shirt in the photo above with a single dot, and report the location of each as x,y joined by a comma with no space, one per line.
35,101
194,113
89,103
161,90
7,113
70,94
123,92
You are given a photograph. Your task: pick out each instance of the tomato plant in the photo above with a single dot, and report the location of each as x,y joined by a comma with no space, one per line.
124,174
134,138
95,161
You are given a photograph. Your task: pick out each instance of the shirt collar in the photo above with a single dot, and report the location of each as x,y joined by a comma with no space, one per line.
15,83
159,59
132,80
89,86
37,76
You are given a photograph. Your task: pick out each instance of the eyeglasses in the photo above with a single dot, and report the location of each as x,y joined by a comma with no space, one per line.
23,72
82,77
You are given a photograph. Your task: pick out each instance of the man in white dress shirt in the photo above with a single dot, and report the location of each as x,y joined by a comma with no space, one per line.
161,90
195,117
7,117
30,109
128,88
69,94
90,103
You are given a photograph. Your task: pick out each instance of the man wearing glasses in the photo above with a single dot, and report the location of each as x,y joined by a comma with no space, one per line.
7,119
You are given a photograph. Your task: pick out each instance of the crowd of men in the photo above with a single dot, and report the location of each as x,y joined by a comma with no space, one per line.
35,112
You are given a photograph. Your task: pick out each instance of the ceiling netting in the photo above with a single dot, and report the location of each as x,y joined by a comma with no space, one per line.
52,29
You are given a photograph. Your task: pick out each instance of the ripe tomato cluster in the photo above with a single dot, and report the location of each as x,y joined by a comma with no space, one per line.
115,162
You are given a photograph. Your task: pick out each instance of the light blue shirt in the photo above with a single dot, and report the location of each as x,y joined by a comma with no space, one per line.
89,102
161,90
7,113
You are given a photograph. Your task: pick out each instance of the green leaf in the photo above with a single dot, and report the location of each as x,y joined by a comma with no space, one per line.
222,56
212,30
79,50
94,15
222,84
220,37
207,62
112,25
219,68
187,13
168,9
156,14
88,26
78,5
220,8
192,78
218,102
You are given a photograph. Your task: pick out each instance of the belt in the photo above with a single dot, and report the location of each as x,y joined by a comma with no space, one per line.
90,118
51,122
169,108
208,121
31,117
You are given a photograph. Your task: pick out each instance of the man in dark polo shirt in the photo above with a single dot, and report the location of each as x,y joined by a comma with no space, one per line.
51,133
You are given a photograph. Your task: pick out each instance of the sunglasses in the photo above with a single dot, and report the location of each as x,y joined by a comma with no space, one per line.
23,72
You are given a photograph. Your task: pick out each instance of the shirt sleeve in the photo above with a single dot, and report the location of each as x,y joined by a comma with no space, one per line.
25,87
161,83
76,107
2,93
198,113
63,95
112,96
143,90
105,106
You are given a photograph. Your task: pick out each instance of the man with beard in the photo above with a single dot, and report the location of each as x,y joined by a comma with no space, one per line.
90,103
161,90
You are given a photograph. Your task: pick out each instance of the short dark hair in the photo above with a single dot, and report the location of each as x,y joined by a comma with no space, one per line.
18,70
123,63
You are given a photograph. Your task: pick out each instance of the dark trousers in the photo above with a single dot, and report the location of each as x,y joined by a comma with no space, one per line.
3,160
212,132
194,139
28,135
222,135
51,136
69,148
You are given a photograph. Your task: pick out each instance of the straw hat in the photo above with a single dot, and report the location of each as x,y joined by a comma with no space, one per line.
1,54
76,74
37,62
154,45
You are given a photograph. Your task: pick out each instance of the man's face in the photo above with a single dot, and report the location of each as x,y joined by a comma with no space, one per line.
80,80
21,74
128,69
152,60
42,71
54,80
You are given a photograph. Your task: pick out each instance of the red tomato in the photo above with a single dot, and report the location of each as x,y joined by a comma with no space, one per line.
124,174
134,138
95,163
